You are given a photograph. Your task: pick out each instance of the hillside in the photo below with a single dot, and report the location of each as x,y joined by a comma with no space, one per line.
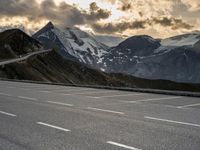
15,42
52,67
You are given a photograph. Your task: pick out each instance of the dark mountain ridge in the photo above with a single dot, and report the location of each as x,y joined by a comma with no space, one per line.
139,45
15,42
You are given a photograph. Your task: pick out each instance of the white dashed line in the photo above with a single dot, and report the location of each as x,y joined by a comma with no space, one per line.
5,94
27,98
11,87
191,105
52,126
45,91
114,96
8,114
105,110
25,89
58,103
153,99
122,145
172,121
74,90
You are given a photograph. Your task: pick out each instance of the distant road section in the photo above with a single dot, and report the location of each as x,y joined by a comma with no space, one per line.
23,58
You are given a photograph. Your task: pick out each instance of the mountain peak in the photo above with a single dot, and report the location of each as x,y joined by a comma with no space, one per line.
142,37
50,25
140,42
46,28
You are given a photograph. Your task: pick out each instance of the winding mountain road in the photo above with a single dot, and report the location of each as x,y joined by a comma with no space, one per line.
24,57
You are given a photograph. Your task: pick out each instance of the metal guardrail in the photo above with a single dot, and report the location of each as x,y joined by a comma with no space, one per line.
142,90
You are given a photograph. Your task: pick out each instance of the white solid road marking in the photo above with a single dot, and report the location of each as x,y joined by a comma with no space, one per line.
172,121
52,126
153,99
122,145
58,103
27,98
105,110
5,94
115,95
8,114
191,105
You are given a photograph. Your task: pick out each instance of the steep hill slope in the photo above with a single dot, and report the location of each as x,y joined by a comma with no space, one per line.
52,67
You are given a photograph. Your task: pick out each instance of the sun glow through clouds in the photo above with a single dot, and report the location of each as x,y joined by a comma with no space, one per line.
158,18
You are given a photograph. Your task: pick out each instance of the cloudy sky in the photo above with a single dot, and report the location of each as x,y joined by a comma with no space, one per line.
158,18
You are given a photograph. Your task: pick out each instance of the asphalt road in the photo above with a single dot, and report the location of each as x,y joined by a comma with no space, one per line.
50,117
23,58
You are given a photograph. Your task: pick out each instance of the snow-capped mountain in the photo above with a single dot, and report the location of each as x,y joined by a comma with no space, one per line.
176,58
110,41
122,57
182,40
72,43
197,46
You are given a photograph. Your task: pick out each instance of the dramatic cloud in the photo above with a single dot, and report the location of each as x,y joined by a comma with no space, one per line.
111,1
173,23
194,5
125,6
148,7
118,27
96,13
158,18
62,13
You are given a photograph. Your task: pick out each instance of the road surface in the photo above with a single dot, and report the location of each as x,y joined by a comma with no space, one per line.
51,117
23,58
